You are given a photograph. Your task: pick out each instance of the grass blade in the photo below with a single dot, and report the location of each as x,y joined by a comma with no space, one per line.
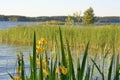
110,68
10,76
84,62
71,67
87,77
98,69
62,49
64,63
78,69
91,76
54,69
117,68
23,69
41,69
34,57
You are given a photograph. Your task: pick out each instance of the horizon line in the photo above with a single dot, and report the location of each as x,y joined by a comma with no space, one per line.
55,15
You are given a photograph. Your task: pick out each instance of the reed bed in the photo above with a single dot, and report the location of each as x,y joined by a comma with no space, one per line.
59,65
101,36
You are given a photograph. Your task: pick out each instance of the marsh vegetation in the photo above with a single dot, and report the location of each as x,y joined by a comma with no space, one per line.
72,53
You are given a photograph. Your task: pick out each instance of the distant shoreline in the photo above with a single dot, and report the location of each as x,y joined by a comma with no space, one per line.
106,19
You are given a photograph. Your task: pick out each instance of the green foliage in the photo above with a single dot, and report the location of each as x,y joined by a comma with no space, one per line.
71,65
69,21
77,16
110,68
117,74
23,68
67,70
103,34
88,17
84,61
64,63
34,57
98,68
41,69
62,50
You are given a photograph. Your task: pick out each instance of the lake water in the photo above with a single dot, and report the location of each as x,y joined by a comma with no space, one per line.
8,58
7,24
8,52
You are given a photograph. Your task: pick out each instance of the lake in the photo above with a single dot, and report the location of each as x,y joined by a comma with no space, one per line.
7,24
8,52
8,57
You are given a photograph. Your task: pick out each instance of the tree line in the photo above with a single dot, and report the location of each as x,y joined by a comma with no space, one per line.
108,19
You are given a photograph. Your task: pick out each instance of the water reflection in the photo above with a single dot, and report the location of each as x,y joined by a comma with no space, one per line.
8,59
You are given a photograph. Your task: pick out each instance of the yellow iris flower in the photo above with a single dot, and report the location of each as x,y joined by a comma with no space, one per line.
44,63
42,41
63,70
45,72
39,49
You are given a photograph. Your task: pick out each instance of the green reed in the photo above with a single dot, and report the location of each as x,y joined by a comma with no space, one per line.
77,36
66,68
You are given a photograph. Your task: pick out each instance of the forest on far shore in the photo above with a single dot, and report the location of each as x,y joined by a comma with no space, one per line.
107,19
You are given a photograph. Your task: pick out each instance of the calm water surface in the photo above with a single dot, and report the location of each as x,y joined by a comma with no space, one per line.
8,58
7,24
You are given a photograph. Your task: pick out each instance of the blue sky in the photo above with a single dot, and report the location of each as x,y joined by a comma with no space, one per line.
58,7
